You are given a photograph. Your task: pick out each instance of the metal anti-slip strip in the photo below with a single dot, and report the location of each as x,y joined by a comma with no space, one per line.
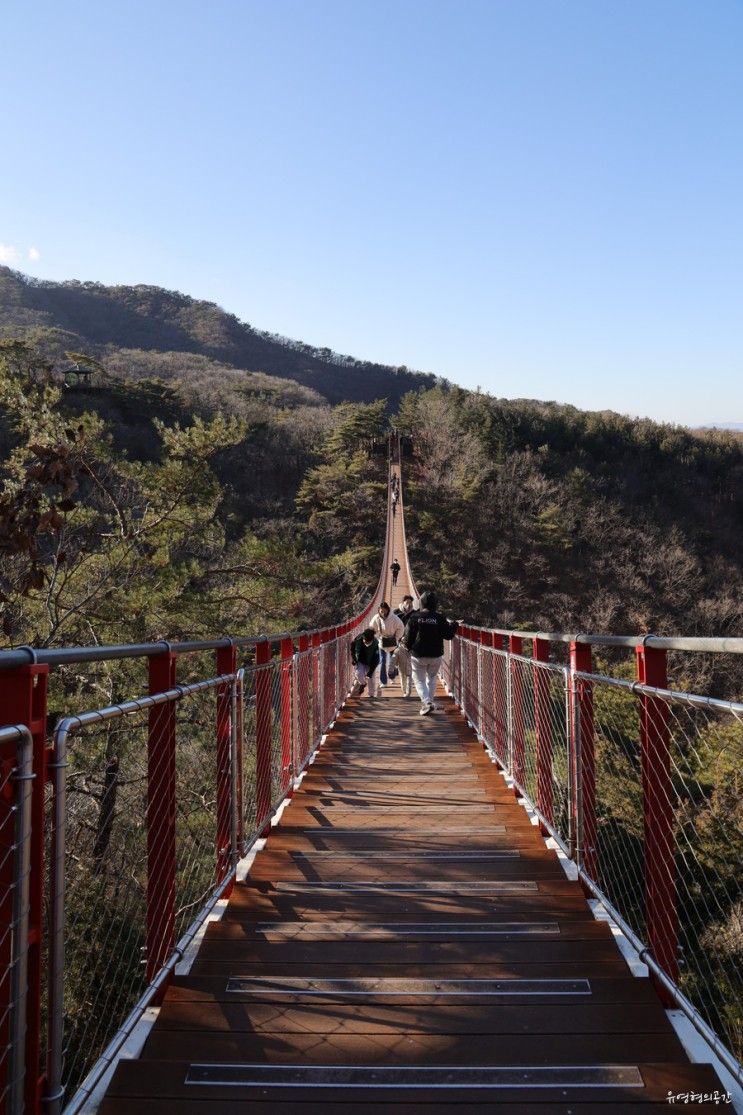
509,886
418,1076
409,928
420,808
417,834
365,853
388,986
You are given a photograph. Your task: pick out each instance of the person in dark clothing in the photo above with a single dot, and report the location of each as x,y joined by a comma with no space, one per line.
365,657
424,638
395,567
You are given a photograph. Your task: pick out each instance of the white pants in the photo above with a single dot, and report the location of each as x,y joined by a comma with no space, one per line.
362,675
425,671
402,657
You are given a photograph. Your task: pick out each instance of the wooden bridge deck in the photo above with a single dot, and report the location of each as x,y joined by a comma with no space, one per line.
407,940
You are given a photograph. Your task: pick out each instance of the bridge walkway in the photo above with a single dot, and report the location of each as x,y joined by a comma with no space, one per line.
406,941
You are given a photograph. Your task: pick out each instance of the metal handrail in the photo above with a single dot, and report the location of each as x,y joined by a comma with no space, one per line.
701,645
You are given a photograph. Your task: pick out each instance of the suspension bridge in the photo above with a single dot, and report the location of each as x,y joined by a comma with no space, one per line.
244,886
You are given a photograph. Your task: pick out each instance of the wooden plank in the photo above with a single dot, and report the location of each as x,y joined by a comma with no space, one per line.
255,903
227,941
281,1047
466,1017
165,1080
425,867
306,1103
614,966
602,992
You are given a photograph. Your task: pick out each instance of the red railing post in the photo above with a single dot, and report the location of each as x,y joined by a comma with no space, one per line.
518,771
226,664
543,732
161,809
23,700
661,913
287,654
263,736
583,827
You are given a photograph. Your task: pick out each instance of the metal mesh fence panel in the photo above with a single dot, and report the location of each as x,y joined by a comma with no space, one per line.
106,885
523,727
553,696
304,715
501,696
138,847
619,823
200,718
706,756
676,858
486,683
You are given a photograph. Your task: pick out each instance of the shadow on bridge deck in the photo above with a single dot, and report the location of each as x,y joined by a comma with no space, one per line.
406,939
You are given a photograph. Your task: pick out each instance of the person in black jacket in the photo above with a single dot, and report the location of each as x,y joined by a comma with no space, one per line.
424,638
395,567
365,657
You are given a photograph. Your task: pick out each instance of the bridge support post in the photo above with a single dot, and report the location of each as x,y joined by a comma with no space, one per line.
287,656
263,735
661,913
226,772
23,701
582,764
161,809
543,733
516,716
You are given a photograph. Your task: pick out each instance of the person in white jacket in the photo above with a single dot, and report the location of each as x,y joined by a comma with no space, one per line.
389,629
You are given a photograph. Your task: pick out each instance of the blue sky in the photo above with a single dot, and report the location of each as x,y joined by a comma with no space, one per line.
540,197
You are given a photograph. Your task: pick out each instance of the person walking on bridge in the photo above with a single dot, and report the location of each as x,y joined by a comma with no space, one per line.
395,569
402,654
389,630
365,658
424,637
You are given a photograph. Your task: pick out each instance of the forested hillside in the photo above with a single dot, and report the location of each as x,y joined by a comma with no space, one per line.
568,520
171,494
134,326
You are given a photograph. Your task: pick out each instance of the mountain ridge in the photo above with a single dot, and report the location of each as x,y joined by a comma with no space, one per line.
150,318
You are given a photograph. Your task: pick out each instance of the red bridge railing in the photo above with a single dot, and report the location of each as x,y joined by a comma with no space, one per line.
640,786
121,833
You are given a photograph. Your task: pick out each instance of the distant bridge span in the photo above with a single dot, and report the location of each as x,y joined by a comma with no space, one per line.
425,924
